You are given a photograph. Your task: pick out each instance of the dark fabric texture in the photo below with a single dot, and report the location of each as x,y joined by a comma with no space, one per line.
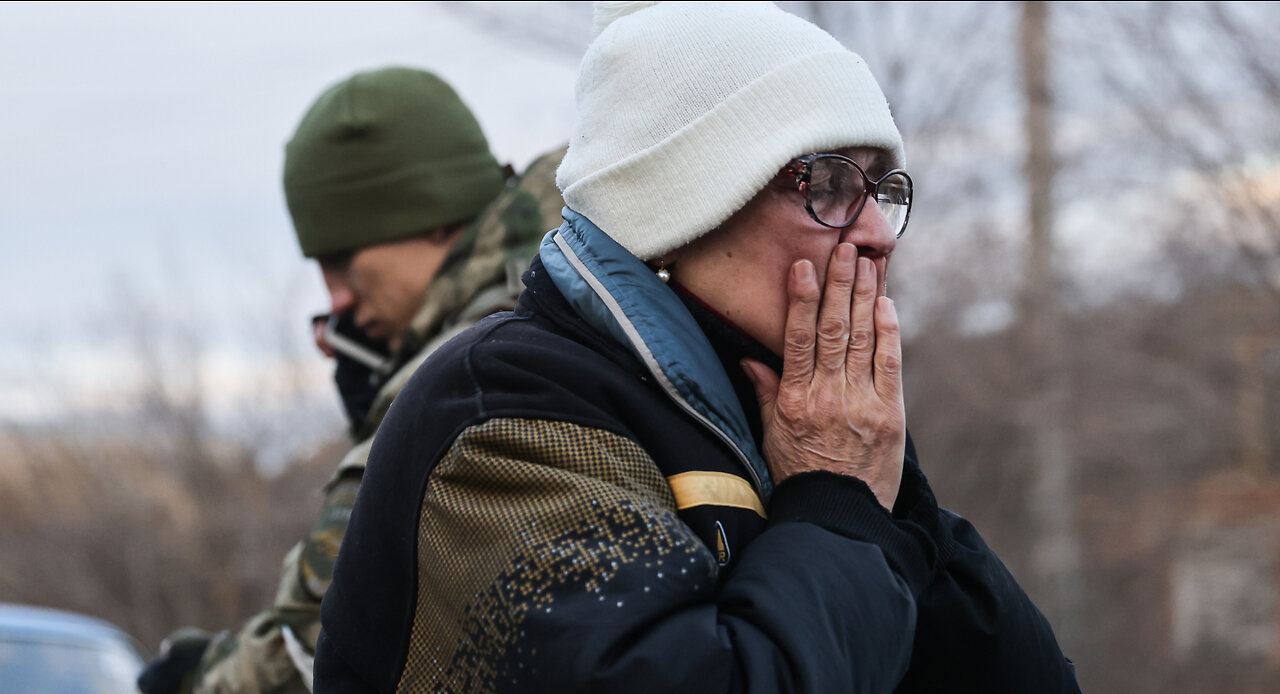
171,671
977,630
823,596
357,384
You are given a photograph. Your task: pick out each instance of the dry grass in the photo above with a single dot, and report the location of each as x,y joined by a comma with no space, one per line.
150,535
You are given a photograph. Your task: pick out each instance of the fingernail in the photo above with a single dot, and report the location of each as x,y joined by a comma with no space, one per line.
845,252
803,270
864,264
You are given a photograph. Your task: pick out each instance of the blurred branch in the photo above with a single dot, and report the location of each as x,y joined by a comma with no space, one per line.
1205,86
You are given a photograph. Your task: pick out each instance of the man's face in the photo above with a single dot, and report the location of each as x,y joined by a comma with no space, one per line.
741,268
383,286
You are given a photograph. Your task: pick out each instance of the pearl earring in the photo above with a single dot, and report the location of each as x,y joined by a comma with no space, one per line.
663,273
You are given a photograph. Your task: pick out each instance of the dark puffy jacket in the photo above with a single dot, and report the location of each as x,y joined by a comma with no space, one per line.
570,498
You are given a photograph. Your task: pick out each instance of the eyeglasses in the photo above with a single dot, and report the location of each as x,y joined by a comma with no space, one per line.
836,189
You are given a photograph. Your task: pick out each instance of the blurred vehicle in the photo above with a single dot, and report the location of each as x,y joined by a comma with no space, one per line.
45,651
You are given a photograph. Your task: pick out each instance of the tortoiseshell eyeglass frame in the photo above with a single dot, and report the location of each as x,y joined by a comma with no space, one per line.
800,170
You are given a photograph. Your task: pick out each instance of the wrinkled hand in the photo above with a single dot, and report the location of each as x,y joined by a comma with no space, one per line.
838,405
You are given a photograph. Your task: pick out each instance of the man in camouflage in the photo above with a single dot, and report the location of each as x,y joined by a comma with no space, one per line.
419,233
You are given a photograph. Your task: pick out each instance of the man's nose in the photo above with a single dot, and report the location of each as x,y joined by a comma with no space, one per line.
341,298
871,233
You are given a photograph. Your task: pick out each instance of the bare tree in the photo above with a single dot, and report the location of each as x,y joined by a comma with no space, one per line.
1055,545
141,510
1198,85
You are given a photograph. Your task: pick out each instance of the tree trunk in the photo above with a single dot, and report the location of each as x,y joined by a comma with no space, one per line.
1054,555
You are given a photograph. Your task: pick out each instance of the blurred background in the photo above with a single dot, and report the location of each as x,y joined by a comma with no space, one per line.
1090,285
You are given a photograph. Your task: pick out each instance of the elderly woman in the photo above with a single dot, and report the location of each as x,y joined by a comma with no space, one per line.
681,463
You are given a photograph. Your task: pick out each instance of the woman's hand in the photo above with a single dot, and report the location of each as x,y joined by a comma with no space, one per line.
838,405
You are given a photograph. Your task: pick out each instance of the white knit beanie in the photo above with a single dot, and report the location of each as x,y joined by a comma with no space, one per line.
687,109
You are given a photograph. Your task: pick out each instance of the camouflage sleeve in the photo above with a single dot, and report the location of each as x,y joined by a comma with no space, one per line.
273,651
539,180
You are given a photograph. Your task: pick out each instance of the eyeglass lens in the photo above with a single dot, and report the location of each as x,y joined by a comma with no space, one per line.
838,190
893,196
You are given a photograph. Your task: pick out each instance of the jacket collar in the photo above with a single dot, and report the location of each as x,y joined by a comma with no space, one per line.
493,250
619,296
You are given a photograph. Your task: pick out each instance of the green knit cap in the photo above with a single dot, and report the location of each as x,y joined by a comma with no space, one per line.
382,156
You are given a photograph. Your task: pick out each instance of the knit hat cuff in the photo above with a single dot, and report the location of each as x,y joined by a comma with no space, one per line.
686,185
350,215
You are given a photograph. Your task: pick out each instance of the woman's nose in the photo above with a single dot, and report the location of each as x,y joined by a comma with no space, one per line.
871,233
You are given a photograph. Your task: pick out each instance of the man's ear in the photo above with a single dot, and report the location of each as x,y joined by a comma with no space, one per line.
443,236
335,262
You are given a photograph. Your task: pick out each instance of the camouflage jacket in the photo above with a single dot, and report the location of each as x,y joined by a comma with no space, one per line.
480,276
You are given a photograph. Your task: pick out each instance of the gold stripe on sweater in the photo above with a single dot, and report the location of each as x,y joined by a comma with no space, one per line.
700,488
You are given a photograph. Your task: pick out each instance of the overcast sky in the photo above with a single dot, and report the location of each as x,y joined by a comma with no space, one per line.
140,155
141,147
